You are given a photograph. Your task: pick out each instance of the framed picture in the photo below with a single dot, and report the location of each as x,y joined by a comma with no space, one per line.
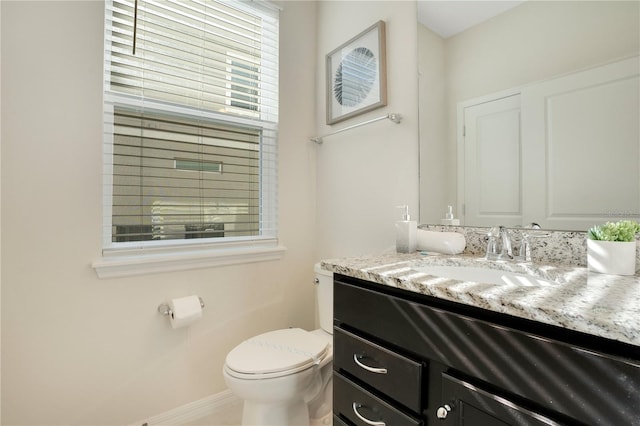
357,75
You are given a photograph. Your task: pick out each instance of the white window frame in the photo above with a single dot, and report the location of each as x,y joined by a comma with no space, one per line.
136,258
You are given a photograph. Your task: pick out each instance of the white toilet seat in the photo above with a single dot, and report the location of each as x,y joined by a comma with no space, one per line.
276,353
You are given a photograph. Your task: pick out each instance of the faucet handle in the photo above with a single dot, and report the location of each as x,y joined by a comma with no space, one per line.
524,253
492,243
529,232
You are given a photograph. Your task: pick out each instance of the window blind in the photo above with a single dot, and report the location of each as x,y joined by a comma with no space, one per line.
190,120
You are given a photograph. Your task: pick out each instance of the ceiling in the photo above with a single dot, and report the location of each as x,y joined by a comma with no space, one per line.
449,17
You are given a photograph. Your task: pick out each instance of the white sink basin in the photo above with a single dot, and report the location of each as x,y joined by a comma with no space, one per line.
483,275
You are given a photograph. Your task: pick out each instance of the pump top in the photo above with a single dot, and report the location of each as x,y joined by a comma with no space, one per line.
449,214
405,212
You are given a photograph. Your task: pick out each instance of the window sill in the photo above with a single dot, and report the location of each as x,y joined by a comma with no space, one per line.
123,263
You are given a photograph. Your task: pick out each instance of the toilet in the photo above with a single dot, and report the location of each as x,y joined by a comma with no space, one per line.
284,377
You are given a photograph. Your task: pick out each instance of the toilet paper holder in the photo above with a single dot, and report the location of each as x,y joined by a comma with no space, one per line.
164,309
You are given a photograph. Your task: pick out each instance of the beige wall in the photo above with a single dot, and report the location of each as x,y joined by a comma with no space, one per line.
532,42
539,40
77,350
434,191
364,173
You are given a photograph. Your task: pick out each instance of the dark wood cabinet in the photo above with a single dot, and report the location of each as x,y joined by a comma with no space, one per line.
360,406
390,373
404,358
467,404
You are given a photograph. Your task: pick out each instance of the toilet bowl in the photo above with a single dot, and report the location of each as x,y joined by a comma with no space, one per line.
284,377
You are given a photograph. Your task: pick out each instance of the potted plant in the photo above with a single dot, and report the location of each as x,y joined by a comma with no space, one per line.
611,248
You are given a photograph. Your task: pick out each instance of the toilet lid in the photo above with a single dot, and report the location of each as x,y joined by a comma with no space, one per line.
277,351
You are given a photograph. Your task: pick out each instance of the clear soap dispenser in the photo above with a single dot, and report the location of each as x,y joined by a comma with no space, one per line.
448,218
406,232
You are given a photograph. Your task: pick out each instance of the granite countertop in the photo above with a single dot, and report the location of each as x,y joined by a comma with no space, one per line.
598,304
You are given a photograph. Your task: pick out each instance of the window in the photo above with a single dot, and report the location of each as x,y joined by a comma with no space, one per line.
191,97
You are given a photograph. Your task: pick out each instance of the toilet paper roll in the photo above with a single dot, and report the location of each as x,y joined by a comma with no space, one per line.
184,311
441,242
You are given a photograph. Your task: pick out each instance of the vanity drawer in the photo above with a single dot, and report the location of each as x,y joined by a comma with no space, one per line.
394,375
337,421
362,408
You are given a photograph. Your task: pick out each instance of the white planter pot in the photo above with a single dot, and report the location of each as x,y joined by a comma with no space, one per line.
611,257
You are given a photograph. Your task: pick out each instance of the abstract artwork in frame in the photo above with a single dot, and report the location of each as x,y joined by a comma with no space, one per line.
356,75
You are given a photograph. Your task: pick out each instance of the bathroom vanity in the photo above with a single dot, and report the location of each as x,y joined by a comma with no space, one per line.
416,349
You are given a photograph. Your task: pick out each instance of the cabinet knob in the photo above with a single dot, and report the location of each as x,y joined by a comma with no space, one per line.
443,411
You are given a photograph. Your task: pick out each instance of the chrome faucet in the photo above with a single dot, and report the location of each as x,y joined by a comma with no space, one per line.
500,242
501,235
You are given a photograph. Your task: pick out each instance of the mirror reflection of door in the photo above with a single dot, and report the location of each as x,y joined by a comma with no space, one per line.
563,153
492,189
581,147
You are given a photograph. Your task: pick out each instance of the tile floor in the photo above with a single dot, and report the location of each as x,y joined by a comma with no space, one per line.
233,413
229,417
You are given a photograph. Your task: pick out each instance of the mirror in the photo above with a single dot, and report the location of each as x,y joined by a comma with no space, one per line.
530,43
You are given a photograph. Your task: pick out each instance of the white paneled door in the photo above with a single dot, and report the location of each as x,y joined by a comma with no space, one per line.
581,147
563,153
492,163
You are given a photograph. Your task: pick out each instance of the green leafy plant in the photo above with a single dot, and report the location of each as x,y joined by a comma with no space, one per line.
624,230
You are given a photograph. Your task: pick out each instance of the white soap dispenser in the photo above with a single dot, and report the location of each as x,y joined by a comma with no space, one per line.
448,218
406,232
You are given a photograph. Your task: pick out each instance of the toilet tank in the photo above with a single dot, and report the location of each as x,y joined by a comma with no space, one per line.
324,298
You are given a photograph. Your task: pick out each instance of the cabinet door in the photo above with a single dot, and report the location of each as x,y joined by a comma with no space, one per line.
467,405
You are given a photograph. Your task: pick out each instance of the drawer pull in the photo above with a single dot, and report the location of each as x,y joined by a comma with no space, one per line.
367,421
366,367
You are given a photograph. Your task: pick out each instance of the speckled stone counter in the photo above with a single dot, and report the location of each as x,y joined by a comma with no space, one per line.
556,247
602,305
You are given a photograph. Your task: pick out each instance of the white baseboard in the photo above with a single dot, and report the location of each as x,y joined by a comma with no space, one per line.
193,411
